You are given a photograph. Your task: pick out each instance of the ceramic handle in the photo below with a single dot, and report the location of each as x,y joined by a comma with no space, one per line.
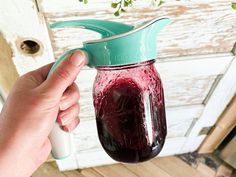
61,143
60,140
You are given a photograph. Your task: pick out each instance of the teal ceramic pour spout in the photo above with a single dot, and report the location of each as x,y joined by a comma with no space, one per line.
120,44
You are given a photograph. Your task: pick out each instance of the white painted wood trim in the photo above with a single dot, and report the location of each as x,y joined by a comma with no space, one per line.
192,143
70,163
184,112
21,20
221,96
218,101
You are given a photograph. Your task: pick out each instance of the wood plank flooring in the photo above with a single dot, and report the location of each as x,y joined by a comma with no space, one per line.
171,166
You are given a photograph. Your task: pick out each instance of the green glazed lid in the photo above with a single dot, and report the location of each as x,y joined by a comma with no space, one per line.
120,44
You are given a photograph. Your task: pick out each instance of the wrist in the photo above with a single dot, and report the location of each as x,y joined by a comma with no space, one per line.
10,155
11,164
6,162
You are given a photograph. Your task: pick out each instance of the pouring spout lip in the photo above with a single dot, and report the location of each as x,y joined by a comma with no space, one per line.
129,32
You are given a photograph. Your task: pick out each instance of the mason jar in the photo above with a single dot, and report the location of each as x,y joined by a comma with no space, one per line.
130,111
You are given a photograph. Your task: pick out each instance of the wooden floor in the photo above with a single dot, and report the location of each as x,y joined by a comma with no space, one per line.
160,167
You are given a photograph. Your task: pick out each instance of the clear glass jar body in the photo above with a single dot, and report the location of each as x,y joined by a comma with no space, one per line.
130,111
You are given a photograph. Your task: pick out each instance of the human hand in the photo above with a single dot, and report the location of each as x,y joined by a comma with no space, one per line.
30,112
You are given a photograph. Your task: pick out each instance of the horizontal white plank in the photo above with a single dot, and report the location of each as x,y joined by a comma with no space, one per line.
199,27
193,143
197,65
176,114
69,163
180,119
95,157
172,146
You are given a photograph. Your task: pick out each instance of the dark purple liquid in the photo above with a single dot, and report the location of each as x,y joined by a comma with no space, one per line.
130,115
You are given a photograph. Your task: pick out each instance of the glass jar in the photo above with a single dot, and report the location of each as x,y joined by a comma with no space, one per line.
130,111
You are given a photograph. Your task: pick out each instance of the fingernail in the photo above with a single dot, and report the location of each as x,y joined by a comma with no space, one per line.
66,129
78,58
64,119
59,120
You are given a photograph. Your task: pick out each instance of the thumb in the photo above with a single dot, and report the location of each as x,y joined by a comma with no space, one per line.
65,74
